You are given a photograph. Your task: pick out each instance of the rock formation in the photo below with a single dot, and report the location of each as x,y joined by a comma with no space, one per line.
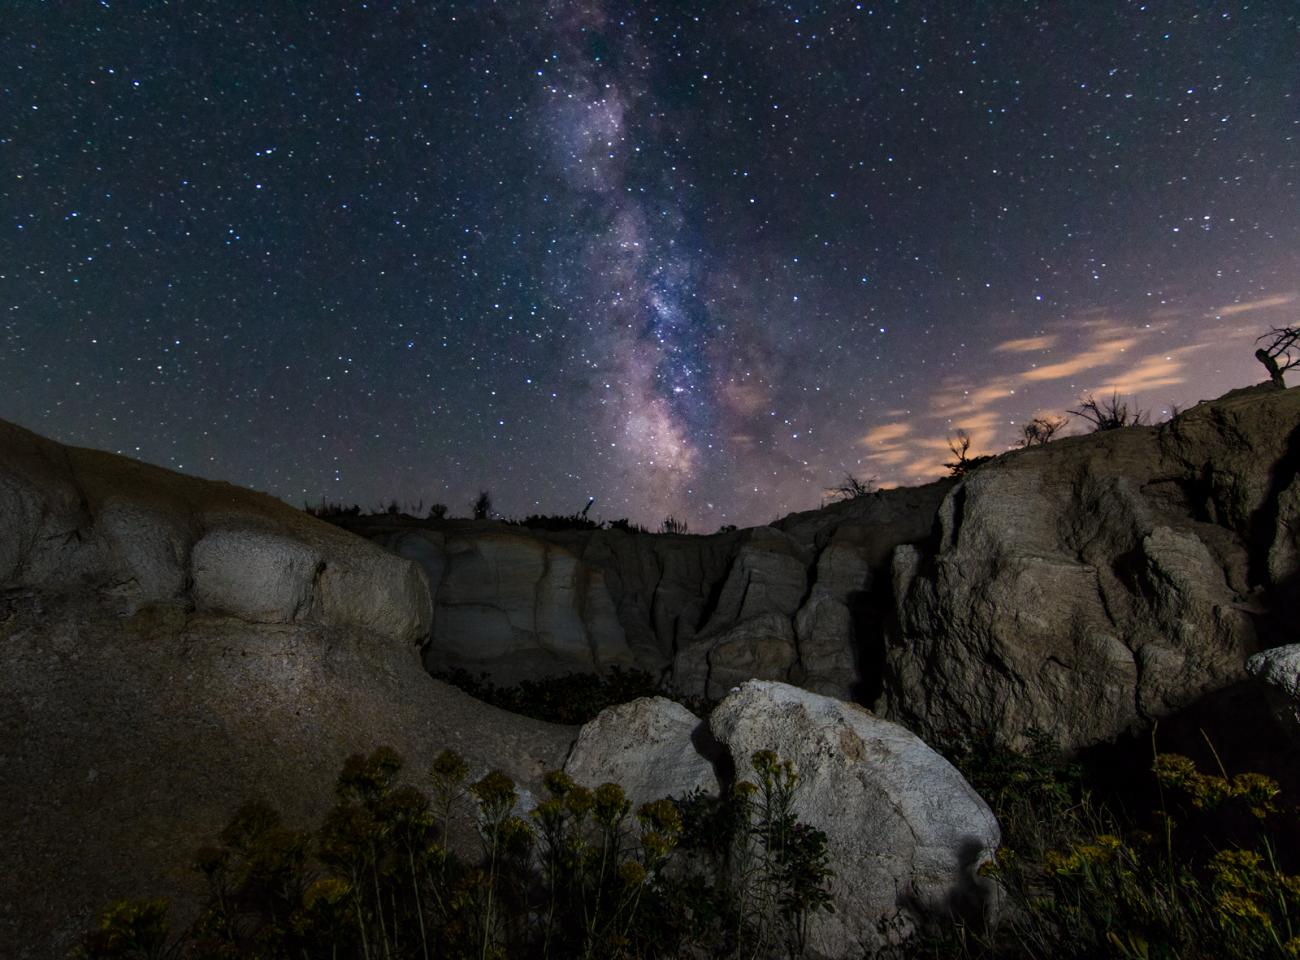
1092,585
1278,670
171,648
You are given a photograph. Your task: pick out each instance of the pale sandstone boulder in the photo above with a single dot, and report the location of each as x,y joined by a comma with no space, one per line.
254,575
652,747
152,545
376,592
1278,671
905,832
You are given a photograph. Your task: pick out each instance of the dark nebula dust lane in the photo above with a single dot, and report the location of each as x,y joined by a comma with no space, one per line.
690,259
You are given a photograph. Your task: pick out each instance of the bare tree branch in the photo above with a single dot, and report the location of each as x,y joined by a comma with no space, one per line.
1276,354
1041,430
1108,414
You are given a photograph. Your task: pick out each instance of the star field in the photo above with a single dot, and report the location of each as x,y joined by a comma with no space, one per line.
690,258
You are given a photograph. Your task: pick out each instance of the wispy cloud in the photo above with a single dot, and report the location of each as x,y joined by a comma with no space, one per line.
1102,355
1152,357
1264,303
886,434
1149,373
1026,345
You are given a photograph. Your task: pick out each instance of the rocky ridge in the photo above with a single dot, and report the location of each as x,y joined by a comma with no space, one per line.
1086,587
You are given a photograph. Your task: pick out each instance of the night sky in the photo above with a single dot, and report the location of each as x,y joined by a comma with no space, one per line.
690,258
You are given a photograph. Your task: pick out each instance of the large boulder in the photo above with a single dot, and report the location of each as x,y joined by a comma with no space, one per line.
905,832
254,575
652,747
1278,671
81,520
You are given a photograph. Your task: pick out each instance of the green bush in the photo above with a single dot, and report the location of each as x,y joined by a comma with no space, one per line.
582,875
1084,880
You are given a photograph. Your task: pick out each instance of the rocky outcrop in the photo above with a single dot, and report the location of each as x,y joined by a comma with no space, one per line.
1093,585
84,520
519,607
906,834
788,602
171,648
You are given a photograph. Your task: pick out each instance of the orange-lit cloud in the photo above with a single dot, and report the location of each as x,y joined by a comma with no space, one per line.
1093,349
1025,345
1263,304
959,400
889,456
744,397
1157,370
1103,354
886,434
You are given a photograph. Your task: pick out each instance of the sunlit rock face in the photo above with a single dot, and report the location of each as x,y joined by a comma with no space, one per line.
1093,585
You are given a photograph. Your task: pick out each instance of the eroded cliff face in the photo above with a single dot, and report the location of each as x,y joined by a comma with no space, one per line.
793,602
1084,588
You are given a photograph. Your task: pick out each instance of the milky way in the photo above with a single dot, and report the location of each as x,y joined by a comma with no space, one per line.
692,259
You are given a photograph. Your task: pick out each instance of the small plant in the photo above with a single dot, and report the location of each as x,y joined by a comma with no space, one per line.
673,525
130,929
852,488
572,521
481,508
326,510
964,462
1109,414
1040,430
1102,886
791,881
437,511
627,526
